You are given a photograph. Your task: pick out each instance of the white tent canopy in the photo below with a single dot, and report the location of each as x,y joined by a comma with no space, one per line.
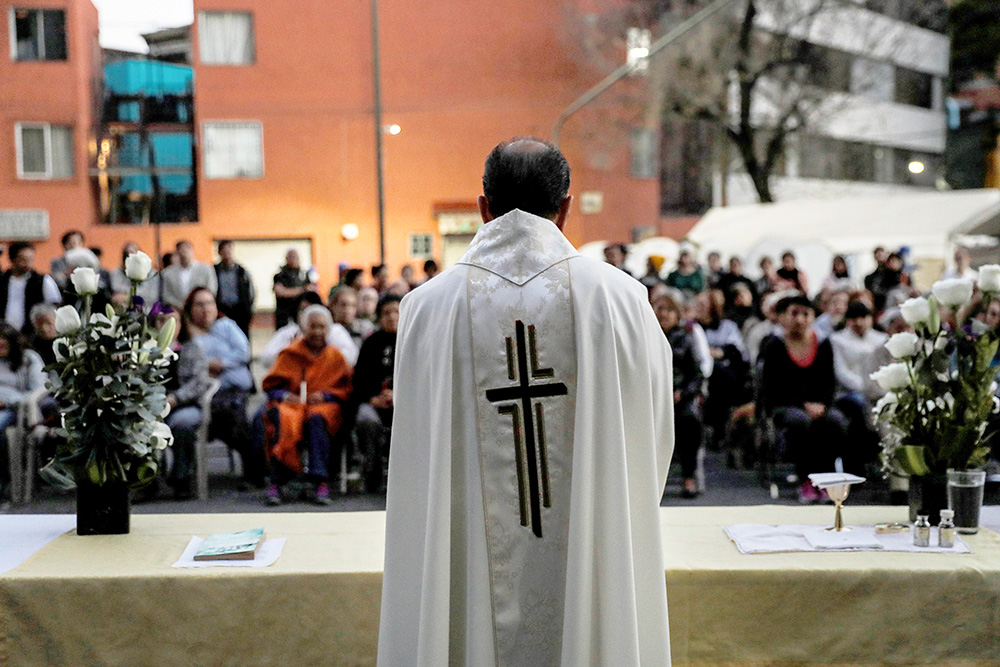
928,223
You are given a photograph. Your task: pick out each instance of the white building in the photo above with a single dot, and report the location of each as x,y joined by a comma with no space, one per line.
882,126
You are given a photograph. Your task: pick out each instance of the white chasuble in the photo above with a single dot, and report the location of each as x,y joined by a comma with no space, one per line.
532,432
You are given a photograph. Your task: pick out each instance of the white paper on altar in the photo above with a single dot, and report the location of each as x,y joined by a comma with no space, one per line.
754,538
268,554
824,480
23,535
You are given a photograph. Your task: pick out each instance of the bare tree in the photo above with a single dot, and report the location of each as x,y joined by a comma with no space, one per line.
756,73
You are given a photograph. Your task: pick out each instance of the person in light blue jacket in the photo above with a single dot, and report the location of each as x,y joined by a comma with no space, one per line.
228,353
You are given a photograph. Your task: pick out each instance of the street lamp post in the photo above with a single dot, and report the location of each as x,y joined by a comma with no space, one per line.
629,67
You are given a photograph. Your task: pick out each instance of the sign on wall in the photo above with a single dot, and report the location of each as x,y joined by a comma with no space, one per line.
24,224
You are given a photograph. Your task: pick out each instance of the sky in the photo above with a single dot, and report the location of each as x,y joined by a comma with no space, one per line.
123,21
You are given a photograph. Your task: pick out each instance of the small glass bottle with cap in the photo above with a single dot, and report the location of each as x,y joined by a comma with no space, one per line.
946,529
922,531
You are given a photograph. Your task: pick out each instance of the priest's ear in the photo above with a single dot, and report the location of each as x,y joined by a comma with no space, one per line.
560,219
484,209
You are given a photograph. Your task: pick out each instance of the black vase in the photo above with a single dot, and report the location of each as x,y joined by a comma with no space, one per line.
928,495
102,509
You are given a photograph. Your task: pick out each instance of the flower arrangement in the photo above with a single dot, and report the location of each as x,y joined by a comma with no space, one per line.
940,388
108,380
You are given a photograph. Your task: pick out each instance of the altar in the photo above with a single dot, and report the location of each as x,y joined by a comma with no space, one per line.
116,600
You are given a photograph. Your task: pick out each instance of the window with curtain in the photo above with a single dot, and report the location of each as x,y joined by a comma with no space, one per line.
234,150
38,34
226,38
44,151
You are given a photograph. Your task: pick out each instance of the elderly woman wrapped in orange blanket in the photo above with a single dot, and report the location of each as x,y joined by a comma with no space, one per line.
306,390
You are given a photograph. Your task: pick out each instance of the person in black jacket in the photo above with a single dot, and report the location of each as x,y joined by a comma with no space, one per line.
373,391
798,385
236,293
688,385
22,288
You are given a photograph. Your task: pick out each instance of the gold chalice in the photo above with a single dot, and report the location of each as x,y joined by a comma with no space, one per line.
838,494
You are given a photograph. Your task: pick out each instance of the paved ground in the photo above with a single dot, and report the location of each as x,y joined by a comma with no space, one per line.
724,486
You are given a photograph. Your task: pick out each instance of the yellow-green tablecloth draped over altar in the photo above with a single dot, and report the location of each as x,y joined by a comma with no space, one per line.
115,600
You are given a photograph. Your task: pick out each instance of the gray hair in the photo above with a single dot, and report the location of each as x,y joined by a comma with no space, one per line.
315,309
82,257
40,309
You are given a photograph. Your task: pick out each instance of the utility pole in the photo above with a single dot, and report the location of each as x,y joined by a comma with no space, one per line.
377,86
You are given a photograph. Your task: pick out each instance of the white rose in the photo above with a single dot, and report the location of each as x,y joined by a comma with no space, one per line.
989,278
915,311
67,320
137,266
902,345
892,377
161,437
84,280
889,400
953,292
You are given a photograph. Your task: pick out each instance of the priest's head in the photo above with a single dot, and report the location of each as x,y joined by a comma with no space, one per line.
528,174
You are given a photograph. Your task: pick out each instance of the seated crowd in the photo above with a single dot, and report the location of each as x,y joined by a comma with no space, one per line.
328,370
753,352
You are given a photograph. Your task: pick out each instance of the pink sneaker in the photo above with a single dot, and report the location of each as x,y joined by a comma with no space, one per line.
808,494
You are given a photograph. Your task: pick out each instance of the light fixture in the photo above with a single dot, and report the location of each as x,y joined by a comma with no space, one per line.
393,129
916,167
637,42
350,231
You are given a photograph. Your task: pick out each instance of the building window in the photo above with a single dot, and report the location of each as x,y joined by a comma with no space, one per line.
914,88
226,38
829,69
421,246
645,153
234,150
38,34
44,151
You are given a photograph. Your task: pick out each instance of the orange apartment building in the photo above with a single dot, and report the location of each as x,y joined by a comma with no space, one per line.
50,65
286,136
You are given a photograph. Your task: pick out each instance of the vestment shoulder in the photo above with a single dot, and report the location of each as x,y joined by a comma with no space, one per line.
591,273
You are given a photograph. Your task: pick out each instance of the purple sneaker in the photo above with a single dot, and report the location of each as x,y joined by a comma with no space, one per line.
273,495
322,494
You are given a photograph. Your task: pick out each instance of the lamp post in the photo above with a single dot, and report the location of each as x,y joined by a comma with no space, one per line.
629,67
377,89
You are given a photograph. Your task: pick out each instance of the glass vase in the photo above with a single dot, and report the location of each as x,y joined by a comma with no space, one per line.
102,509
965,498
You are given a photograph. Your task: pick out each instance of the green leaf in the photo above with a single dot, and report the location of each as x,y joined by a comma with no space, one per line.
145,472
912,460
56,473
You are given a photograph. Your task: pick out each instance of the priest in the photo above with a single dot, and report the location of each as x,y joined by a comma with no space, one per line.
532,433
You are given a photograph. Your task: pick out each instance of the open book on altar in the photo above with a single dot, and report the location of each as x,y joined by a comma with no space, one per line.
231,546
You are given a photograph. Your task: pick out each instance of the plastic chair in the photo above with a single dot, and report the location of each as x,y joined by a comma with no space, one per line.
21,447
201,441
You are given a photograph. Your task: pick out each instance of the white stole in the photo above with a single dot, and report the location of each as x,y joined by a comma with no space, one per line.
524,362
